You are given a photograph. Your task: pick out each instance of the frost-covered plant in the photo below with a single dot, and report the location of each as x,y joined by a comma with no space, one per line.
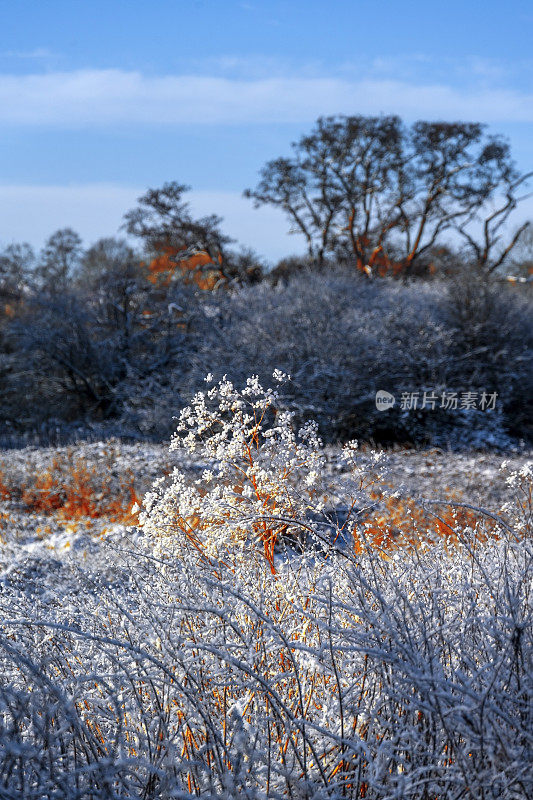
405,678
520,509
264,478
215,666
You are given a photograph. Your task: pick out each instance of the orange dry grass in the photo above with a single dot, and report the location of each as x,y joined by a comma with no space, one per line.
404,523
398,523
74,490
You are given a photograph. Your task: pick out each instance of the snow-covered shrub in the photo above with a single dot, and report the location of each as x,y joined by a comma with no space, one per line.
342,338
264,481
492,346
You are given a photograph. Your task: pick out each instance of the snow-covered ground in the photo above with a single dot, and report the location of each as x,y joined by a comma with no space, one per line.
124,668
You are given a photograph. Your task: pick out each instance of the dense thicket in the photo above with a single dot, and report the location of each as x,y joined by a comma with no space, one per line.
121,355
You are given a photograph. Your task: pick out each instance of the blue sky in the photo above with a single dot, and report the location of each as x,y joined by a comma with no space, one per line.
99,100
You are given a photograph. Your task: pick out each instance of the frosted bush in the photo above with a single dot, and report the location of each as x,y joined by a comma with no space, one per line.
264,481
342,339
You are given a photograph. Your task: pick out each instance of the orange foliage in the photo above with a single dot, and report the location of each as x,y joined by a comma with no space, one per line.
75,490
404,523
5,492
164,266
377,261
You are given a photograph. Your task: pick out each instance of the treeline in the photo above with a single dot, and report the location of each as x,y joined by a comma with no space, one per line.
114,339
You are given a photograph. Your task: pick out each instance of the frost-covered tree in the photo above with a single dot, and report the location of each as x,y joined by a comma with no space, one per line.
180,244
16,264
58,261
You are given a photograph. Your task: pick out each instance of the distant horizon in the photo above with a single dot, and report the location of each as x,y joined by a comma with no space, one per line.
98,104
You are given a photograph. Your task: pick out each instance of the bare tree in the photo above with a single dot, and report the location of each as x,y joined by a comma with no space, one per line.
16,265
173,237
333,188
437,185
163,220
381,194
58,261
499,181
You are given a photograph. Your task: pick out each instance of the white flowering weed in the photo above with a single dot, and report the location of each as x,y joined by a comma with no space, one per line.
263,481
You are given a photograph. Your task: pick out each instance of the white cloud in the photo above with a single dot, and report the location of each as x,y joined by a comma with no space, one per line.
32,213
38,52
98,98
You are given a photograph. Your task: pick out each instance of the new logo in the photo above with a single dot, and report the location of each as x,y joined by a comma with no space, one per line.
384,400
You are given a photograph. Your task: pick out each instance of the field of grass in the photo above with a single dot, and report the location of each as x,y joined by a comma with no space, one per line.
269,619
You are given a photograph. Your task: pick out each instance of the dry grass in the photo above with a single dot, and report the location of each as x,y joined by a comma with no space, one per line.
72,489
